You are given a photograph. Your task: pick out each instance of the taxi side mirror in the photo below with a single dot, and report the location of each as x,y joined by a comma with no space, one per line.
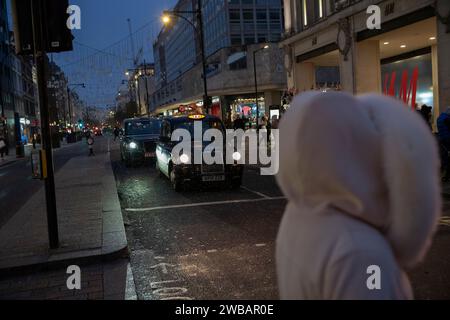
164,139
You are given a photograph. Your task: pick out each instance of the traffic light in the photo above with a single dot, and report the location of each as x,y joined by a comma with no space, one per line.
57,35
23,27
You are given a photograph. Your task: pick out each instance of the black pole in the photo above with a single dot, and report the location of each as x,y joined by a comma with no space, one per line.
40,55
202,49
138,91
256,89
70,109
147,105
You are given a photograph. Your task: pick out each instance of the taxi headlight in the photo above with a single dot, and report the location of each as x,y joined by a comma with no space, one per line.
132,145
184,158
237,156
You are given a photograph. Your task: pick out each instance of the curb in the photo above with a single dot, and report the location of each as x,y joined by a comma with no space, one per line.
6,163
114,246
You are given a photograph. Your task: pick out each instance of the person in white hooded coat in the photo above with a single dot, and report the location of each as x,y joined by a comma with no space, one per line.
361,175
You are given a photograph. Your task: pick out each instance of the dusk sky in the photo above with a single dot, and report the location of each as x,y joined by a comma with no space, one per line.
104,27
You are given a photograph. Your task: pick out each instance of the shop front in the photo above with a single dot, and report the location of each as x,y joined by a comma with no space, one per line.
406,58
245,107
194,106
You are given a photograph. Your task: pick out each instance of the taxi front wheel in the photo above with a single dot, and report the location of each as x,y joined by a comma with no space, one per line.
176,184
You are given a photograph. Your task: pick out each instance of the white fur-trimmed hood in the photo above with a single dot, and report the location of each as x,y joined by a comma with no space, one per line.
372,158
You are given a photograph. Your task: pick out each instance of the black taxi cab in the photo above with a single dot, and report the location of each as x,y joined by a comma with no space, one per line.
139,140
187,171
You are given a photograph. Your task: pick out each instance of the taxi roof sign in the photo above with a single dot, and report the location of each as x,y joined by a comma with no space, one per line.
197,116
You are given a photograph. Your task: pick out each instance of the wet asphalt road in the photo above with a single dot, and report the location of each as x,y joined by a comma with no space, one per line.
195,251
183,249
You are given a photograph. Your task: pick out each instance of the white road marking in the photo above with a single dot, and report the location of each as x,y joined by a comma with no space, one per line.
445,221
255,192
203,204
260,245
130,291
212,251
163,267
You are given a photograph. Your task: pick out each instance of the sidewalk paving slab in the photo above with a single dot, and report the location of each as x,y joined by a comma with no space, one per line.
89,217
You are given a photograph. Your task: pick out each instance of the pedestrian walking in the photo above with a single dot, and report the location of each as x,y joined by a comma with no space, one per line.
275,122
3,147
364,197
116,133
238,123
425,112
34,140
90,142
443,126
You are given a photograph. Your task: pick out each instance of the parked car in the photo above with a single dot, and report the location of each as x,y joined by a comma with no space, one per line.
138,142
185,171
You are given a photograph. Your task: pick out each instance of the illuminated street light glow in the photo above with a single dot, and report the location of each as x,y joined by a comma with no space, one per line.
165,19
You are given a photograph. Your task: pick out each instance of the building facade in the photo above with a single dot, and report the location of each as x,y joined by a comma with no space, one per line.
328,46
233,31
6,89
18,107
142,86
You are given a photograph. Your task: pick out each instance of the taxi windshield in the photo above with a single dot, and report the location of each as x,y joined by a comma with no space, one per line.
206,124
142,127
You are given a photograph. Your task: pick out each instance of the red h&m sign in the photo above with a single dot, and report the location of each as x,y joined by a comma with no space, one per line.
407,93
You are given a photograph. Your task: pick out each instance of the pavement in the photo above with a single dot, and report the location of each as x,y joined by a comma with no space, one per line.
91,232
11,157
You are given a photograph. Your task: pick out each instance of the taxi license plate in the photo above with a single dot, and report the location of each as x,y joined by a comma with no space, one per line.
213,178
149,154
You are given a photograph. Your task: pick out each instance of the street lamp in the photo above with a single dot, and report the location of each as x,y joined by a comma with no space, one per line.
199,29
256,82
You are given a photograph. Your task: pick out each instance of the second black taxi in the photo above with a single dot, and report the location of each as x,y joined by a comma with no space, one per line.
185,171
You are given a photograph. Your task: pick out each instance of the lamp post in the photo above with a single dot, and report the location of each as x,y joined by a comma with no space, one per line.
68,99
256,83
200,32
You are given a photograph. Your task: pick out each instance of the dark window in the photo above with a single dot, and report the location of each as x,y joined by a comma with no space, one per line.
235,15
248,15
142,127
249,40
236,40
261,15
274,15
262,38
